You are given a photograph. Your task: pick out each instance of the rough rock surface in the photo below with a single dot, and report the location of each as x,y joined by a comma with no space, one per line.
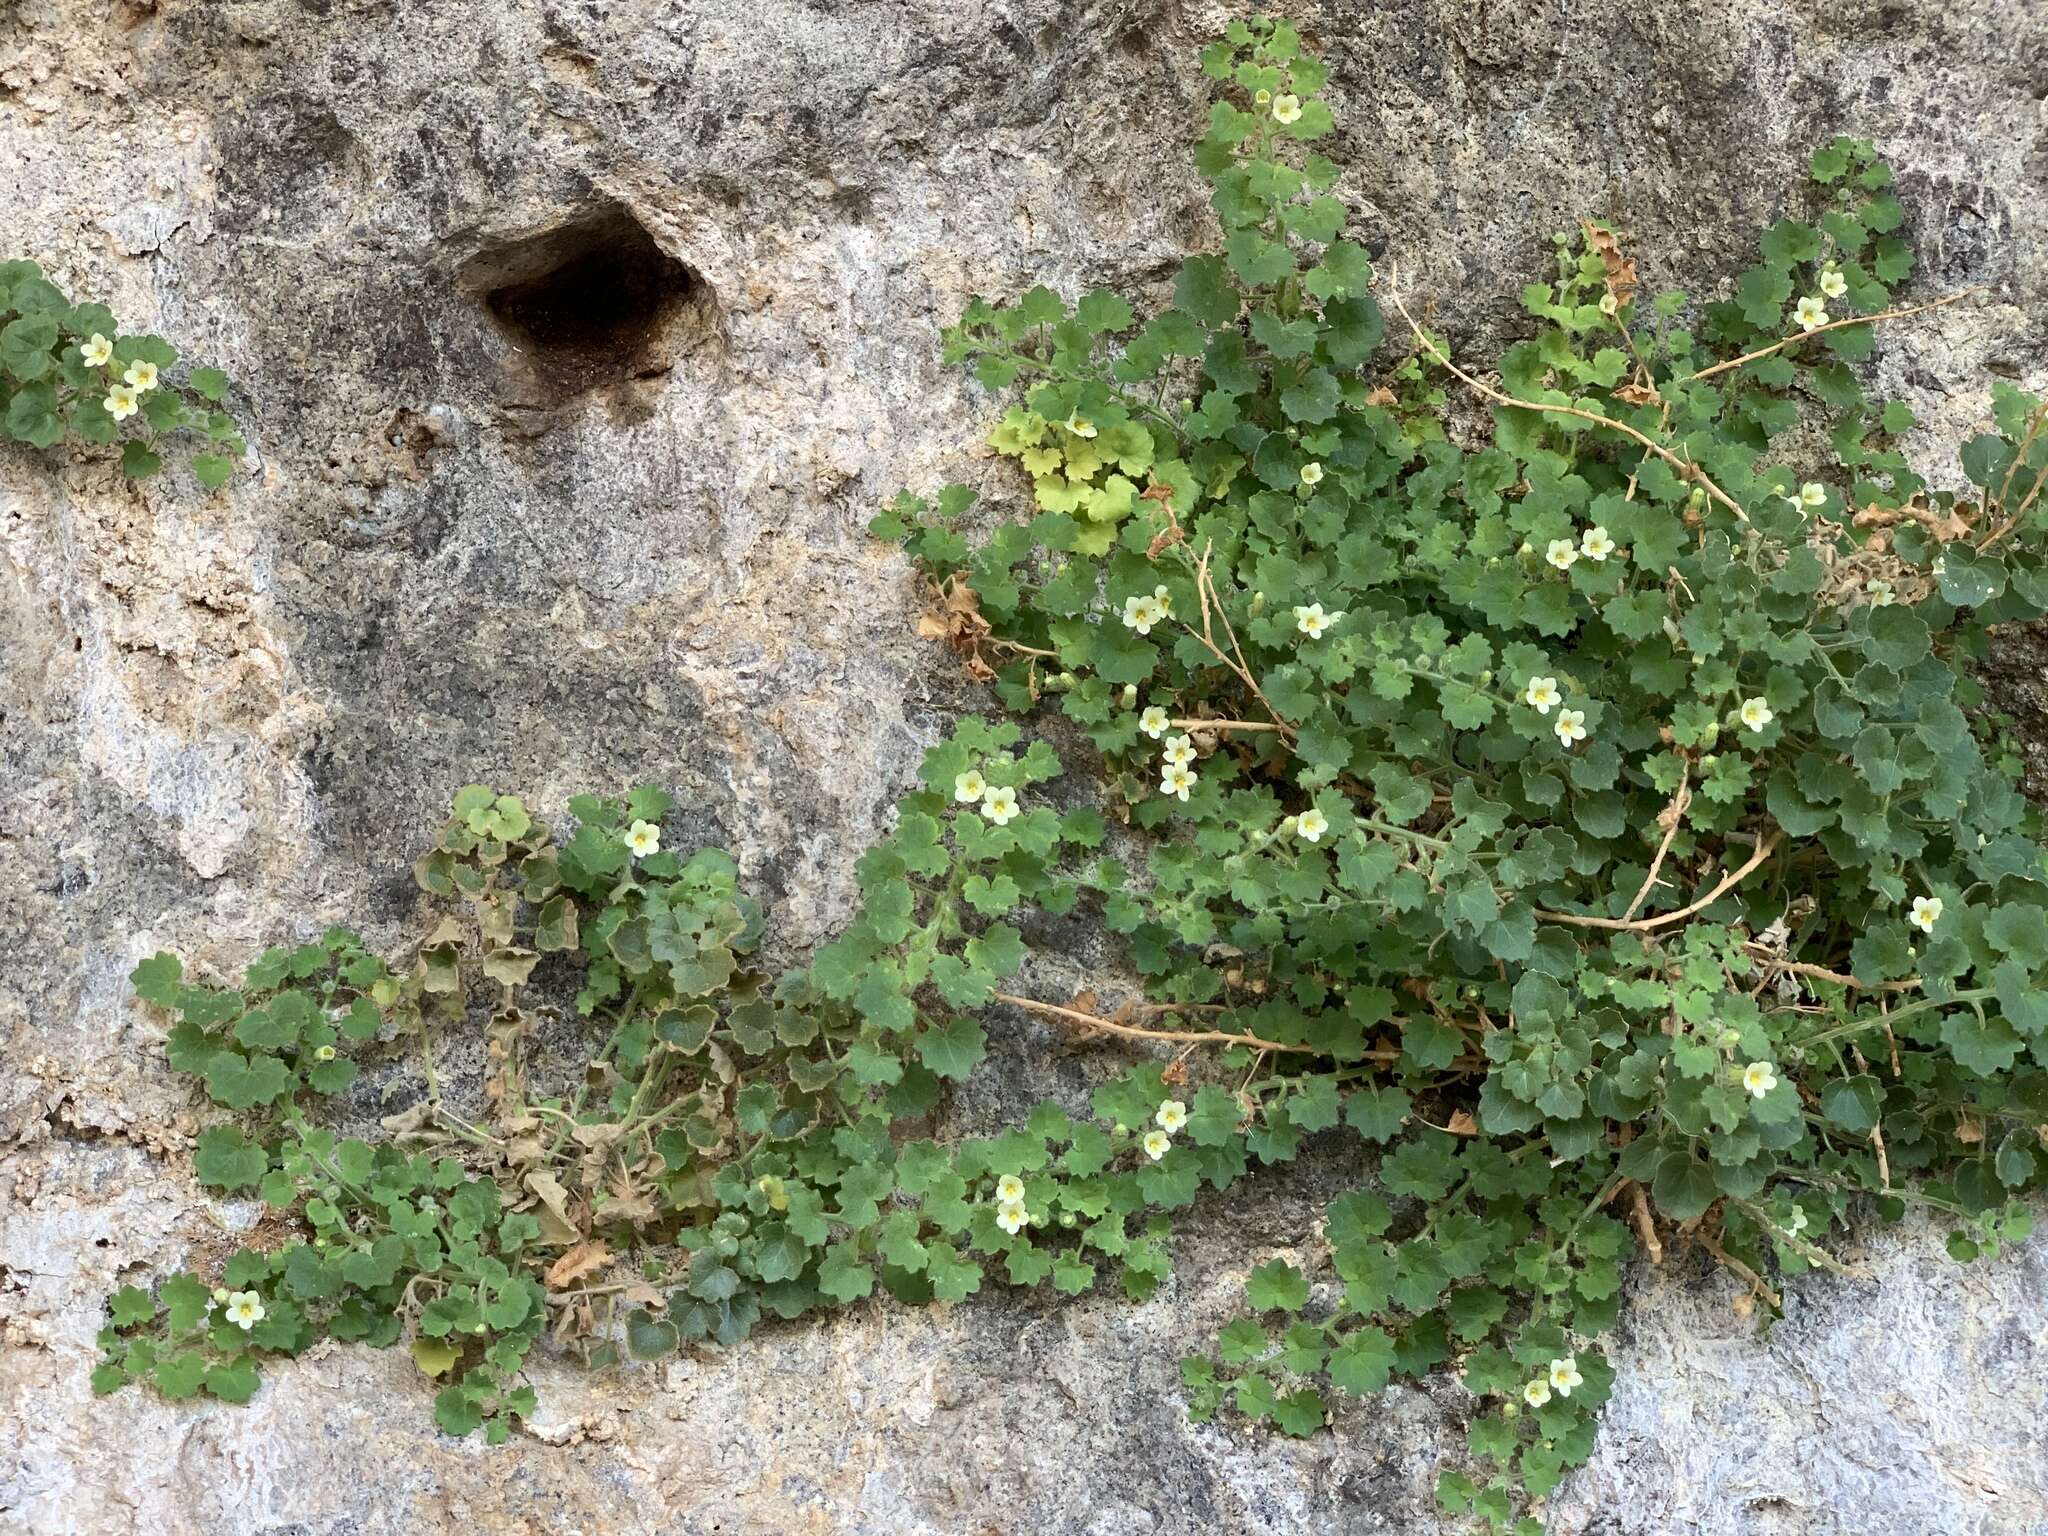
497,530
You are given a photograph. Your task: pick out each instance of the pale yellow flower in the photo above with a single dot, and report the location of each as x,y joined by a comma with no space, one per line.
1141,613
1926,913
1312,621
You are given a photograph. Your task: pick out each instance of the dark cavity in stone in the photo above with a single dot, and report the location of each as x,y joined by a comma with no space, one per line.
590,303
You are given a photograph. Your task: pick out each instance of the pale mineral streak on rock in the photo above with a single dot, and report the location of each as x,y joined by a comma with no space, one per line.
227,721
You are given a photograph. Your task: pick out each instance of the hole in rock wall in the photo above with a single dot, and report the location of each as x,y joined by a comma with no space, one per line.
590,303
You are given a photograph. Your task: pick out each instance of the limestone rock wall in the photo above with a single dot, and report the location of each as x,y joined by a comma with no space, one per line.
501,530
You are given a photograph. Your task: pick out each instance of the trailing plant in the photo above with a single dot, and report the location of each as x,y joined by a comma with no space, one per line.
1590,806
1580,809
66,370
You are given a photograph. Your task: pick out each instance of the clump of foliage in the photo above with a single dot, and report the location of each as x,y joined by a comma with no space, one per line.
1589,810
1596,814
66,370
734,1146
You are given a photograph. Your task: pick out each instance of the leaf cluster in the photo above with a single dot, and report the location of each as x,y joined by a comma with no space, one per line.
53,386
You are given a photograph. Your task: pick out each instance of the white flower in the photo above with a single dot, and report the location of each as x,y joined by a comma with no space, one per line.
323,1053
1880,592
1178,752
1596,544
1142,612
1154,721
1796,1222
1156,1144
1311,473
1759,1077
1312,824
1833,284
969,787
1537,1393
1012,1218
1286,109
245,1309
141,376
1080,425
96,350
999,803
1810,312
1163,600
1176,781
1542,694
1564,1375
1813,494
1756,714
1571,726
1561,553
1926,913
1312,621
1172,1116
643,837
120,402
1009,1190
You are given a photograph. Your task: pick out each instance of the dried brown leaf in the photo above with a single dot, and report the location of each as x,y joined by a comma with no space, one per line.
579,1261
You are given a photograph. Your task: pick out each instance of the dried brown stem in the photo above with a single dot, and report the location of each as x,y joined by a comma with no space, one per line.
2005,487
1205,591
1646,1224
1674,813
1685,468
1832,325
1729,1262
1135,1032
1822,973
1225,725
1764,850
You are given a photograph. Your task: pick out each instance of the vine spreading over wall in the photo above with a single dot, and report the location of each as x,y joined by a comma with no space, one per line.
1588,812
